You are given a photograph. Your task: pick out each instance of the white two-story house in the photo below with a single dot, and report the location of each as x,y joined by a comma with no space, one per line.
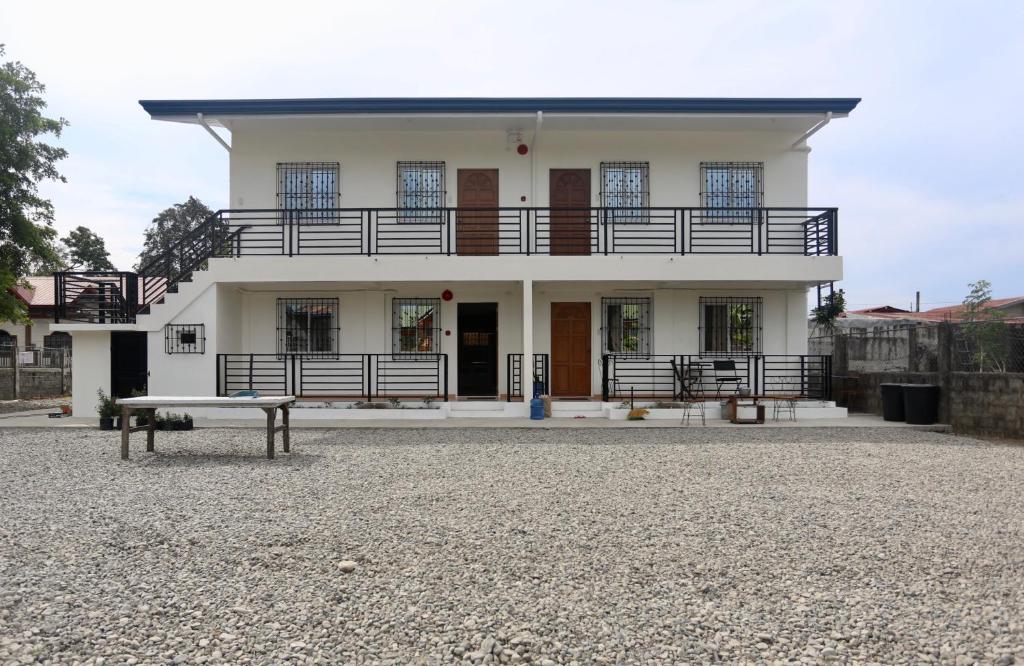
412,248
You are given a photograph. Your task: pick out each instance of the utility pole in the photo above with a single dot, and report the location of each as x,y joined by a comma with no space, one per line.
917,308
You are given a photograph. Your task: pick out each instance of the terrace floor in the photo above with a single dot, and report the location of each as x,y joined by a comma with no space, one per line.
492,545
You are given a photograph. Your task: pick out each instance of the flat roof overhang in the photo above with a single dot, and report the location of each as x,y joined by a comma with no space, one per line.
439,113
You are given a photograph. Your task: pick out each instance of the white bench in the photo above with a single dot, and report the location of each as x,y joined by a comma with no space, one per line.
148,404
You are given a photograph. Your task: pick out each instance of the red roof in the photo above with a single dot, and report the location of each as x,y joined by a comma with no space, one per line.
39,293
947,313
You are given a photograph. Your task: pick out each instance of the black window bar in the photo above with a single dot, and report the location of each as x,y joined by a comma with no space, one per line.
420,192
730,325
310,189
416,325
307,326
185,339
626,325
734,188
626,191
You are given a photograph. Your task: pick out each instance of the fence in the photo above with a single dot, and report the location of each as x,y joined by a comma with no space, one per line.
979,371
670,376
34,372
412,375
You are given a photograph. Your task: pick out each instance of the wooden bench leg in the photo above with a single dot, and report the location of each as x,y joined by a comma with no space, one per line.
150,429
126,430
284,436
271,413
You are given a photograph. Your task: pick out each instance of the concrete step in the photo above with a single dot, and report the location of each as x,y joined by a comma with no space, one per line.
477,405
570,409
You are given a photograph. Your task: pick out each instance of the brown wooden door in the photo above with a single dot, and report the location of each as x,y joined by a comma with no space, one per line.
476,231
570,229
570,349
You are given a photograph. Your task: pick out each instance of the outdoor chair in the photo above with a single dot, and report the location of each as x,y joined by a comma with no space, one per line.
692,407
730,376
784,406
686,377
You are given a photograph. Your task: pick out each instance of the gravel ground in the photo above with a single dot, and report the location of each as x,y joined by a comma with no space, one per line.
512,546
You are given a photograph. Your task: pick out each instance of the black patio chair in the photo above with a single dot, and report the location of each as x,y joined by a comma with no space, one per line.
721,380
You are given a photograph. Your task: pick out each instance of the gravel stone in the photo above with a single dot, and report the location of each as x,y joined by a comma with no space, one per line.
520,546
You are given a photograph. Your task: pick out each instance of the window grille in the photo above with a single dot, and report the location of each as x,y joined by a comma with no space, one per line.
57,340
185,339
625,191
310,188
730,325
737,187
421,193
416,325
626,325
307,326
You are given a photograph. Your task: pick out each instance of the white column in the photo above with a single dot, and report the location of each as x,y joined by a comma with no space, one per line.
527,338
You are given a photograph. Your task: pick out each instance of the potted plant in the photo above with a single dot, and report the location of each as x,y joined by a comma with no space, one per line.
106,409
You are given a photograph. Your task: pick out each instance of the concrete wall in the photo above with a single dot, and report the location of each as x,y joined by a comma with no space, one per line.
973,403
33,383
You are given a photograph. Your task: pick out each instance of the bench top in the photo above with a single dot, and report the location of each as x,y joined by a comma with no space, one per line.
205,401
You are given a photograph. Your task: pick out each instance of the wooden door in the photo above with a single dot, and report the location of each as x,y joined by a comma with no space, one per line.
476,223
478,349
570,227
570,349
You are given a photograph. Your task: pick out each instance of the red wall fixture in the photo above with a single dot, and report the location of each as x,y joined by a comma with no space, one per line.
522,149
447,295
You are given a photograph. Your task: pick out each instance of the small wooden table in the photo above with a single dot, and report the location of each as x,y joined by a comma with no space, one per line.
754,401
148,404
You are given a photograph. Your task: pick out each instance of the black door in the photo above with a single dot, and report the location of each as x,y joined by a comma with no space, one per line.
128,366
478,349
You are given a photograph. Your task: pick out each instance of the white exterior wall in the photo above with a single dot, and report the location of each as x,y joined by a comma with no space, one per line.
90,370
40,329
369,159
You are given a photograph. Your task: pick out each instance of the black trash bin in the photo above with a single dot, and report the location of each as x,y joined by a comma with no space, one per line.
921,403
892,402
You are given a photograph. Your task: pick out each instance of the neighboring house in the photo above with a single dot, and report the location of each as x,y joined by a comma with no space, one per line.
1012,310
38,296
381,248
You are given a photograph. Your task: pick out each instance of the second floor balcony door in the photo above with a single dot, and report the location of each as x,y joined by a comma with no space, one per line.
570,226
476,227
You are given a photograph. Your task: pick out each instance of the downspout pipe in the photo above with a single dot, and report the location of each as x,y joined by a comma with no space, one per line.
802,141
202,121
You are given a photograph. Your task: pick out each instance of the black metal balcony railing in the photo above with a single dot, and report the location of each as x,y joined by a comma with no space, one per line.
662,376
528,231
346,376
116,297
514,375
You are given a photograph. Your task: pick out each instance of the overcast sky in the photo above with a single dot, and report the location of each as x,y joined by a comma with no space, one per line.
925,172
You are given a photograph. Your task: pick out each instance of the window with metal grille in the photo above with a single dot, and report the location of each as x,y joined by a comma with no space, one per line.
625,191
730,325
734,188
307,326
185,339
421,191
416,325
626,325
57,340
310,189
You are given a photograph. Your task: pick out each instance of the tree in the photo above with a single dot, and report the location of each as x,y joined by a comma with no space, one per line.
982,329
170,226
26,219
86,251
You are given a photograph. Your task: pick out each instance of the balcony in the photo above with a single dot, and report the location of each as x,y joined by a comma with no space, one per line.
117,297
528,231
